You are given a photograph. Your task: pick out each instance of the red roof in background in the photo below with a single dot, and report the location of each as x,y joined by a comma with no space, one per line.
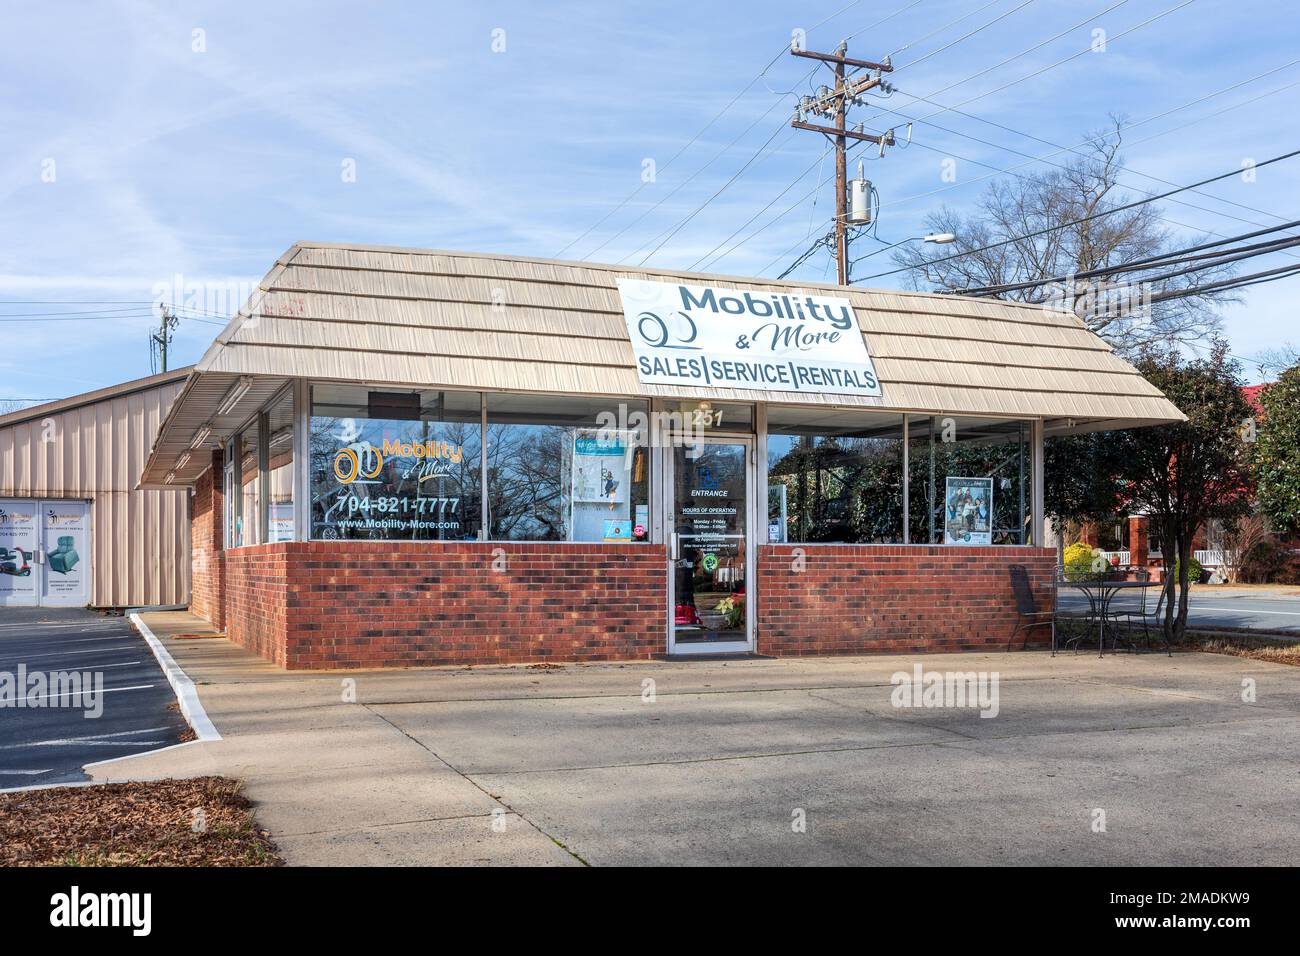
1251,394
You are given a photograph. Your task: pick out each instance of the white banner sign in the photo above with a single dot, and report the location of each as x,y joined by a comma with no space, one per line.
704,336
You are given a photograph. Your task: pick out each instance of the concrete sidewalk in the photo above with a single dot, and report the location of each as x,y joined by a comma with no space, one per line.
710,762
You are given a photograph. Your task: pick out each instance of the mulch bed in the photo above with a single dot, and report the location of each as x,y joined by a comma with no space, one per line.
152,823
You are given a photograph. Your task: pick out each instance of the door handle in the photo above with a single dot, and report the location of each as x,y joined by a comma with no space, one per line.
676,546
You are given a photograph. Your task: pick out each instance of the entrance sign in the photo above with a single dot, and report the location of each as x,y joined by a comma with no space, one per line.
709,337
968,511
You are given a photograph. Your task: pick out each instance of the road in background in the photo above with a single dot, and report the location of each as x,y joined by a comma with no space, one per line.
1212,606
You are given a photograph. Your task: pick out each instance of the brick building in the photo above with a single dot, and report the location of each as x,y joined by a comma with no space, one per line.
403,457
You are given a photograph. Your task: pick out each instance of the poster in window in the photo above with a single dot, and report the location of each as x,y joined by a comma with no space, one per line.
968,511
18,532
600,472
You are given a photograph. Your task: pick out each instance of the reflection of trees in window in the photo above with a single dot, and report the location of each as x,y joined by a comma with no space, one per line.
526,487
842,489
530,490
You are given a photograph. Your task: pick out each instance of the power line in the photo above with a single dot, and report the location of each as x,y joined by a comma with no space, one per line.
686,182
1147,262
1051,66
707,126
26,315
76,318
1076,222
1038,72
1011,170
749,162
734,176
1077,151
1225,285
769,205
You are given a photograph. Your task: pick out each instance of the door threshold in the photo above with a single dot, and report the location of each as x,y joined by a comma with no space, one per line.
724,656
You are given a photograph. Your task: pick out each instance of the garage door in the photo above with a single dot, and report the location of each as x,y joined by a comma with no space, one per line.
44,553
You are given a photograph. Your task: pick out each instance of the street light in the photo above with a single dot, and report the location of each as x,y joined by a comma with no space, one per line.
938,238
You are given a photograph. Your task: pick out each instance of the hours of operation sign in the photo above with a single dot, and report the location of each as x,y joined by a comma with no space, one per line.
770,339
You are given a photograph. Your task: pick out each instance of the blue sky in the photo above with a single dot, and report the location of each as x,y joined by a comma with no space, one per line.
134,163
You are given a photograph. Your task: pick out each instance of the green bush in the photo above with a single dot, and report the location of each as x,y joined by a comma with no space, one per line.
1083,563
1193,570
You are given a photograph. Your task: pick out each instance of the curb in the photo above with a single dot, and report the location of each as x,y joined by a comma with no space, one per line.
186,693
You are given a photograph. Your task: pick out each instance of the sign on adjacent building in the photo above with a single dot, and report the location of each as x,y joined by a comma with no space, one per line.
773,340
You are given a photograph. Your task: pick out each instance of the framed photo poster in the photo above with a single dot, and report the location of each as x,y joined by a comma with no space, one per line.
968,511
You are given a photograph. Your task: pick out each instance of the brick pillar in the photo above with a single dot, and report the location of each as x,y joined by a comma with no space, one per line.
207,543
1138,540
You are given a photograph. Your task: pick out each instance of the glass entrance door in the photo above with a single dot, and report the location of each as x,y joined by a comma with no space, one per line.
709,567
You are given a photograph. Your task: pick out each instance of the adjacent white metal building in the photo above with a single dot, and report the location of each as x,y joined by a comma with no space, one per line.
75,528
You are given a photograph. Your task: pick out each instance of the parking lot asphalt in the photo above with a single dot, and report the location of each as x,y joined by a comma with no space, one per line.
51,743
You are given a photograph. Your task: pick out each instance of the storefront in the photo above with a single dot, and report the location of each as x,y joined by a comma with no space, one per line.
403,457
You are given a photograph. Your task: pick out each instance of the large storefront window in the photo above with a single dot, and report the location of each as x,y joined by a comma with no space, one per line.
279,451
970,481
834,476
560,470
395,464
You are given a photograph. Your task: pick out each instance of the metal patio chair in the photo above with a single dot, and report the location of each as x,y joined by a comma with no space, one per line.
1029,616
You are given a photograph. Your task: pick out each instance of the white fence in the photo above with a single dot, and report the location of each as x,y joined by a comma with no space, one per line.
1207,559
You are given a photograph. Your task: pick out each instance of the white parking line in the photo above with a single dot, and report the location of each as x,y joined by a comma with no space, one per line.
91,739
83,693
98,743
1243,610
52,627
24,773
98,650
104,667
80,640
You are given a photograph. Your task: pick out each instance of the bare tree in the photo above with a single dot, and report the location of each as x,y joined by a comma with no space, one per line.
1062,204
1275,361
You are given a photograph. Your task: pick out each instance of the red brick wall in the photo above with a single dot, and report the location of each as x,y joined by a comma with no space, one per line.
322,605
316,605
207,585
258,581
855,600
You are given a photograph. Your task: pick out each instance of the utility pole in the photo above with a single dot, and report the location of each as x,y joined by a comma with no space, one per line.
163,336
834,103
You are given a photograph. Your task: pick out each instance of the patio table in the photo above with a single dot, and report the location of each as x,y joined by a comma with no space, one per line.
1099,594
